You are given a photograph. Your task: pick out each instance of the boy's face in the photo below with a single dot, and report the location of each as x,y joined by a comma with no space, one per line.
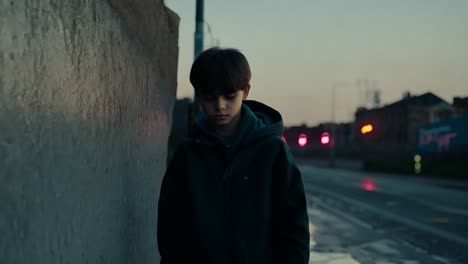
223,110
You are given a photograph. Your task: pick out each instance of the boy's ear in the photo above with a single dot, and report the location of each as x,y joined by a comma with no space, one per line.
246,91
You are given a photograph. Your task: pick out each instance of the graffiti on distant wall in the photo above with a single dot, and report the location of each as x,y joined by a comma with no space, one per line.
447,136
441,137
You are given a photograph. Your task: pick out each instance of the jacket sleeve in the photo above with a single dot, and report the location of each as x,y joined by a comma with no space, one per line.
291,235
172,212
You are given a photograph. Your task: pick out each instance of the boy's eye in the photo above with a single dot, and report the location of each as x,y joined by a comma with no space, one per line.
212,97
230,96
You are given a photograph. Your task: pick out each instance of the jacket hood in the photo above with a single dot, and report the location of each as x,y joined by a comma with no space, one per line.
258,121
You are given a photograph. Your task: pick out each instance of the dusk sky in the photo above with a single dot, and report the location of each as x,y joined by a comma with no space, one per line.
298,49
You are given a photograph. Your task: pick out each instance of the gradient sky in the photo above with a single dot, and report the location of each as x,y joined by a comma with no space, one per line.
299,49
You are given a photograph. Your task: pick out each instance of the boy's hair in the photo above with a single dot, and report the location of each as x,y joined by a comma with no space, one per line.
220,71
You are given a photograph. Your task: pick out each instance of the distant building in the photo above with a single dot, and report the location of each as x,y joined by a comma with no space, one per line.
461,106
397,123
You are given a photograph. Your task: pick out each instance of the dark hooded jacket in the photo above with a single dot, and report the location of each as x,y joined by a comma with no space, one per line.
237,200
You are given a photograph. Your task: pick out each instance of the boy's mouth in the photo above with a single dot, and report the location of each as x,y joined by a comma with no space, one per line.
220,117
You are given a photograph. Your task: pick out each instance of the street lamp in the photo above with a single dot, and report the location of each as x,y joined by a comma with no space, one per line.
302,140
367,129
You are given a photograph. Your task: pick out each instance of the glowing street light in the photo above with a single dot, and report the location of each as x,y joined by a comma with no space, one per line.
302,140
367,129
325,138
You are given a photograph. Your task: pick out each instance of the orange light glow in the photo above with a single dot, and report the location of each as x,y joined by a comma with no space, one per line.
367,129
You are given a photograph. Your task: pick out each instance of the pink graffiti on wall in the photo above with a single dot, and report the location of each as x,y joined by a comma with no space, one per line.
440,137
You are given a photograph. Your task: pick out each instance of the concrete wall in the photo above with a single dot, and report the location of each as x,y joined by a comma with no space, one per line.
86,92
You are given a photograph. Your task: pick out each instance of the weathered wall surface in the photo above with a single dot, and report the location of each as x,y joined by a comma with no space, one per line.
86,92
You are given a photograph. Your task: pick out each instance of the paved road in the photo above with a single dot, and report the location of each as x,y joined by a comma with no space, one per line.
360,217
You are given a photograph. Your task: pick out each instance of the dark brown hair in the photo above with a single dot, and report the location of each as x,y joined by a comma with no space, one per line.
220,71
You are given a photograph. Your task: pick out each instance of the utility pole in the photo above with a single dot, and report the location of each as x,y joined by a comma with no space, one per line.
198,48
199,26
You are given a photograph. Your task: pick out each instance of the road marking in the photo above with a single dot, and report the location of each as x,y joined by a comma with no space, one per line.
440,220
451,210
439,207
401,220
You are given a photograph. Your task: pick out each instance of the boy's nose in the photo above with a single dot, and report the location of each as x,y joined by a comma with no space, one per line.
220,104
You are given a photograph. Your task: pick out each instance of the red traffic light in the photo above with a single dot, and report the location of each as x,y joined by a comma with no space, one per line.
325,138
366,129
302,140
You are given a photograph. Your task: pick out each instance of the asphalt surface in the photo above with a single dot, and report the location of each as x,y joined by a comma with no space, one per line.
361,217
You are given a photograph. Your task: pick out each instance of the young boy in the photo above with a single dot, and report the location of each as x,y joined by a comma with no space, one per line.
232,193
